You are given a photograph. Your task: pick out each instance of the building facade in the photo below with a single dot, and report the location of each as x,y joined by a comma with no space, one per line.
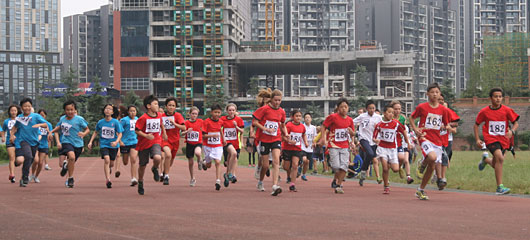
29,48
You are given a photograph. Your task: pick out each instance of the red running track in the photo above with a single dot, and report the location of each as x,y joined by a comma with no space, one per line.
48,210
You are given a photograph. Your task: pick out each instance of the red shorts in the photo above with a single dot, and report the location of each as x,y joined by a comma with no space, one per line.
174,146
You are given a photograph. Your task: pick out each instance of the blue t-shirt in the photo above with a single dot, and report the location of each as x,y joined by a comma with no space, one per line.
129,137
70,129
25,130
108,132
43,143
8,124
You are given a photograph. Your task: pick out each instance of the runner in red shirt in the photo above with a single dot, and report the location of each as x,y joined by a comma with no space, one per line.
173,123
263,98
212,140
497,134
233,126
433,117
149,128
447,151
385,135
270,121
292,148
193,135
341,131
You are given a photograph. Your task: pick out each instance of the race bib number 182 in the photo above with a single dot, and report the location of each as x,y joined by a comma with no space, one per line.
497,128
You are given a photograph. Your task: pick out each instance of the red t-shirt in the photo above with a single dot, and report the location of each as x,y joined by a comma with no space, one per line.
431,120
210,126
496,124
149,125
269,118
296,132
339,135
387,132
230,132
194,135
453,117
172,131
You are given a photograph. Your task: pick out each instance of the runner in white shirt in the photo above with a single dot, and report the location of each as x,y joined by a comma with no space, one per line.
366,123
308,159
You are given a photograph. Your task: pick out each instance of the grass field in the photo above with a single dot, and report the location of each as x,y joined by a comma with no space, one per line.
464,174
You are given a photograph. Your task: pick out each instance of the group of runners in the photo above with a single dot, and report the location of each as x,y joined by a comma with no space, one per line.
293,144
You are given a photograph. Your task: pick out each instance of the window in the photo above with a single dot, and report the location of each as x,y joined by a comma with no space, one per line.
135,84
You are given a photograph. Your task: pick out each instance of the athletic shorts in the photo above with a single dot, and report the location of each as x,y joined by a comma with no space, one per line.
190,149
67,147
111,152
428,147
225,151
308,155
445,157
212,153
389,155
173,146
339,158
44,150
10,145
494,146
259,152
288,155
127,149
265,148
26,150
144,155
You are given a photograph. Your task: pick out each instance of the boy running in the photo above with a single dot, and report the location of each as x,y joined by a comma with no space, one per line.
367,122
43,149
212,139
173,123
497,133
307,150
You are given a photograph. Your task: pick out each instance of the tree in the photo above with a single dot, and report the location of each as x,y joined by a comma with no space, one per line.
316,113
360,89
215,94
448,92
94,104
252,91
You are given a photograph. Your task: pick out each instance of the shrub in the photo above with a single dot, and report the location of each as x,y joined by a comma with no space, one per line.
523,147
463,148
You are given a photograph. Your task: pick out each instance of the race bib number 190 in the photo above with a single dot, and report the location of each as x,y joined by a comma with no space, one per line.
230,134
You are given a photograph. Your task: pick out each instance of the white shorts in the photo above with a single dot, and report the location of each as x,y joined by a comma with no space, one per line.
212,153
428,147
389,155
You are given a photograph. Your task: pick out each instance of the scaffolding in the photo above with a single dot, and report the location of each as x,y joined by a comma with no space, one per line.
213,48
183,51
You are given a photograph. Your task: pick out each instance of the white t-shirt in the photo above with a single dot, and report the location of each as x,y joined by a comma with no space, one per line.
311,133
367,125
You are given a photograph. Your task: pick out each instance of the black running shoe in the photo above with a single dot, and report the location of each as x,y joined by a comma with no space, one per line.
162,177
334,184
204,167
70,182
226,182
141,187
166,180
234,179
292,188
64,168
156,176
22,184
117,174
217,186
109,184
268,173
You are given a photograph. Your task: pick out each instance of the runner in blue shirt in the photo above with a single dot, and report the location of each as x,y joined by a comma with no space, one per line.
43,150
129,141
72,129
25,135
13,112
109,131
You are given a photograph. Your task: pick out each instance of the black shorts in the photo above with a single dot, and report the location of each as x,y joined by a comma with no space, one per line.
127,149
10,145
289,154
308,155
190,149
44,150
67,147
144,155
26,150
111,152
494,146
225,151
265,148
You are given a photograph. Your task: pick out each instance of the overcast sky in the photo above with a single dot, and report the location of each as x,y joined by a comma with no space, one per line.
71,7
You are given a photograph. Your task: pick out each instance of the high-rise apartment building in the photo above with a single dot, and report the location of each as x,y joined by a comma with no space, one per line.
88,44
29,48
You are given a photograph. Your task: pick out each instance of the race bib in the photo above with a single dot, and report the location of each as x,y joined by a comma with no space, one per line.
388,135
365,123
167,122
65,128
152,126
297,138
132,125
433,121
310,137
192,136
230,134
24,120
107,132
497,128
11,123
341,135
273,125
214,140
43,131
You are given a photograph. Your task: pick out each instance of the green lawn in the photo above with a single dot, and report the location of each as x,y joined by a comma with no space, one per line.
464,174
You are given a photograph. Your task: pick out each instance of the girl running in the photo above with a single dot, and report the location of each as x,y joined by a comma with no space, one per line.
292,146
270,121
403,152
193,135
173,123
264,97
43,149
128,142
232,126
73,128
13,112
109,131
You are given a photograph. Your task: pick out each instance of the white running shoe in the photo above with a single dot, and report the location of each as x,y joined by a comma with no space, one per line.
192,182
48,168
199,165
36,180
276,190
31,177
260,187
257,172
